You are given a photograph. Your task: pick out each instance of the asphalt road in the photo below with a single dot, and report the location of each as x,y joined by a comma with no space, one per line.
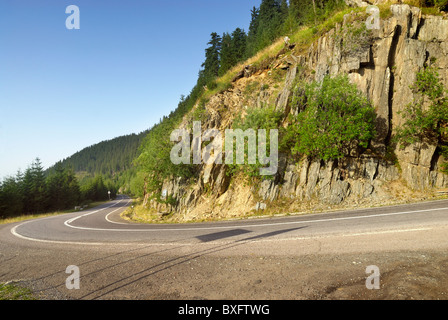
292,257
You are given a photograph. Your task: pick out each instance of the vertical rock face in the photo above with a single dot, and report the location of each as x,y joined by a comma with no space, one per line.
383,66
385,70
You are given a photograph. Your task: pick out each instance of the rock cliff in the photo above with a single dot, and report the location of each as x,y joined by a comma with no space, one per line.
383,64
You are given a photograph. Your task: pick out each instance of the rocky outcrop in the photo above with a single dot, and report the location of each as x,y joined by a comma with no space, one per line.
383,64
384,70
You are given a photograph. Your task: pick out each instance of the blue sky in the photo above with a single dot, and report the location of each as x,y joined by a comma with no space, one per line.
63,90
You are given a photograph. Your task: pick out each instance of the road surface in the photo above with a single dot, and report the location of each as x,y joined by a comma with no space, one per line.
317,256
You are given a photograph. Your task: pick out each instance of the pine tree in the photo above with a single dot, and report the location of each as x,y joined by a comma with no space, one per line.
239,43
270,23
253,32
211,64
266,25
227,54
35,200
284,10
233,48
11,201
294,17
315,13
62,188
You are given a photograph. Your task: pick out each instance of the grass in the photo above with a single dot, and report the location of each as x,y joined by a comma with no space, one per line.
303,38
10,291
44,215
137,213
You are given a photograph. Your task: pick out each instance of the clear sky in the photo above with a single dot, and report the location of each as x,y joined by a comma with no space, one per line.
127,66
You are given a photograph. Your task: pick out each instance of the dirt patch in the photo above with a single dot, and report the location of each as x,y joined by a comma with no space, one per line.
404,276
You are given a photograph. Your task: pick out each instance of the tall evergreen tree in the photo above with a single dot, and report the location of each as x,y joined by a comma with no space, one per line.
270,22
35,200
227,54
96,189
233,48
253,32
239,43
294,17
211,64
266,24
11,200
62,188
284,10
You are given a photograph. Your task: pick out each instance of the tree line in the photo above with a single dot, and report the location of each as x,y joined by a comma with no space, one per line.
106,158
271,20
35,191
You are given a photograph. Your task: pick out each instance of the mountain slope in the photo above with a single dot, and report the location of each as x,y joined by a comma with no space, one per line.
108,158
383,65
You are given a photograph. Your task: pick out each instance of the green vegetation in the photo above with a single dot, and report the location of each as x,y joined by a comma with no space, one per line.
106,158
10,291
255,118
154,163
233,50
155,159
439,4
269,22
354,36
112,160
335,120
433,7
35,191
273,19
426,118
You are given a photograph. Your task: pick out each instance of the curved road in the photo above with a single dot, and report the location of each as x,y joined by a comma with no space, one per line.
103,225
223,260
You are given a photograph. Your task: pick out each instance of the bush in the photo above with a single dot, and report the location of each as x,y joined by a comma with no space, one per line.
155,160
426,118
440,4
256,119
336,120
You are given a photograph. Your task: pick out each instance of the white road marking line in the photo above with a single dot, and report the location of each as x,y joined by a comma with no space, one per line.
15,233
90,213
110,221
68,223
259,225
155,244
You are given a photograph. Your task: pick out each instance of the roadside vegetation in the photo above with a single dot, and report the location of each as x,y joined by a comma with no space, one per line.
335,120
254,118
10,291
36,191
426,118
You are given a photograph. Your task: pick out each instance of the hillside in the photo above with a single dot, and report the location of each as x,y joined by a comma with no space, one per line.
106,158
341,98
89,175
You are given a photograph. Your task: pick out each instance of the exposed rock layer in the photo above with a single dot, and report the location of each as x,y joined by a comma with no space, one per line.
383,66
